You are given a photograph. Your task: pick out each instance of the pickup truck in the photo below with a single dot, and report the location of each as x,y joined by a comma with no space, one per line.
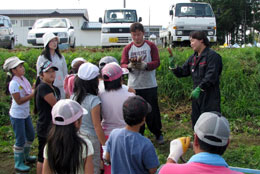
7,37
61,27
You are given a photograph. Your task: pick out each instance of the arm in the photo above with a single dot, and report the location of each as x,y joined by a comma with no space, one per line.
51,99
213,71
46,168
88,166
183,71
107,158
155,63
20,100
95,114
169,160
125,57
64,67
39,62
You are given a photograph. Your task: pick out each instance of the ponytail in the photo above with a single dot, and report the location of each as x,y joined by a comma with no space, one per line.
7,82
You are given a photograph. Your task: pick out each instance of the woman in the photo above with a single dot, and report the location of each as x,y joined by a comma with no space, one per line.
51,52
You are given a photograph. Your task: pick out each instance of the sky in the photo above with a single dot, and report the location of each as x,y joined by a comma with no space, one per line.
159,9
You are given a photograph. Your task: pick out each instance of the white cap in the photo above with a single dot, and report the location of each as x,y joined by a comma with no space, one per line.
88,71
212,128
47,37
11,63
67,111
76,60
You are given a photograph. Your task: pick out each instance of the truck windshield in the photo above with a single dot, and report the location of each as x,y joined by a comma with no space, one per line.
193,10
120,16
50,23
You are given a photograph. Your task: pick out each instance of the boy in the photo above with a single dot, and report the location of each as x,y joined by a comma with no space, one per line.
142,59
127,150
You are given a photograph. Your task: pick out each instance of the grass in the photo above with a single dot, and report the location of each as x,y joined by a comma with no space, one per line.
240,83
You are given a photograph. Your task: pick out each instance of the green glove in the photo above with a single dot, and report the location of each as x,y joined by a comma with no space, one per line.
171,62
195,93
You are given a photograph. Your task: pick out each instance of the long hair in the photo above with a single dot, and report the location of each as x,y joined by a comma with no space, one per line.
7,81
46,52
84,87
65,149
113,85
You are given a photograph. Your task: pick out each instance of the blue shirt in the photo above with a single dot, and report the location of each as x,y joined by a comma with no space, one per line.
130,152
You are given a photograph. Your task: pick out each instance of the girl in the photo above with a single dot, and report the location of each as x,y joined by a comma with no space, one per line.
21,92
51,52
112,112
65,151
46,96
85,93
69,79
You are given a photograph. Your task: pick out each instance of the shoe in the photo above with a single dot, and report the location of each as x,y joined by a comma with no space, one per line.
19,164
27,157
160,139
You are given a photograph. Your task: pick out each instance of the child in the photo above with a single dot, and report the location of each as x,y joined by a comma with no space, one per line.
68,83
52,53
85,93
109,59
46,96
65,152
127,150
21,92
112,113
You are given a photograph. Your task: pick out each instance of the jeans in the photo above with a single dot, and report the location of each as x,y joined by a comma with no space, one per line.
23,130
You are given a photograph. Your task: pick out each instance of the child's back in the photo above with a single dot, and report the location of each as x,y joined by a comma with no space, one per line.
131,152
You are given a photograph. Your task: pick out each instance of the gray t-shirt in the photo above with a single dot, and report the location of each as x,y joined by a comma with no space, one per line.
88,103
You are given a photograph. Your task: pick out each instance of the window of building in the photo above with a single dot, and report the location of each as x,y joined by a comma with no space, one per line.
27,23
14,22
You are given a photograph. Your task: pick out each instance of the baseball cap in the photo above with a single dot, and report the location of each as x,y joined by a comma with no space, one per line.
105,60
47,37
45,66
68,84
67,111
88,71
111,71
212,128
11,63
136,104
76,60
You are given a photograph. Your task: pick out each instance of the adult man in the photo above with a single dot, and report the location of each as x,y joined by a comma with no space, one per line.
211,139
141,57
205,67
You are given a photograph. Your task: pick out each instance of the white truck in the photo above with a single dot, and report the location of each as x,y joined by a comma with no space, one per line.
185,18
115,28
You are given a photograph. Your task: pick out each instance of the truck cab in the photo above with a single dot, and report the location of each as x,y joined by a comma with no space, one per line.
188,17
115,28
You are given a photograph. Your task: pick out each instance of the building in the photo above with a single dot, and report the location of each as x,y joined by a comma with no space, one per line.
87,33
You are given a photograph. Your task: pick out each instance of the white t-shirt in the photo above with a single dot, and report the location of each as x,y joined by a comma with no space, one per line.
111,109
90,152
18,111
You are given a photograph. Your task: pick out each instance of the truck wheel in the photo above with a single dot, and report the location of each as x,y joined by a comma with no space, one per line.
11,46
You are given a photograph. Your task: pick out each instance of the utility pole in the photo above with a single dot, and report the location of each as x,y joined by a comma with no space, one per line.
124,3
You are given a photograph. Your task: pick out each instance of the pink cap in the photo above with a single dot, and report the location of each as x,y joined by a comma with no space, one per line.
111,71
68,84
66,111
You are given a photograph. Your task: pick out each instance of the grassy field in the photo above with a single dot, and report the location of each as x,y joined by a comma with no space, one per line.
240,91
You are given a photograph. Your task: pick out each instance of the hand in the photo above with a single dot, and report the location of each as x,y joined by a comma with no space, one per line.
131,65
104,148
141,65
195,93
178,147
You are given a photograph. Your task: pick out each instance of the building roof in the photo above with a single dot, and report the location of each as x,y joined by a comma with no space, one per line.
45,12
